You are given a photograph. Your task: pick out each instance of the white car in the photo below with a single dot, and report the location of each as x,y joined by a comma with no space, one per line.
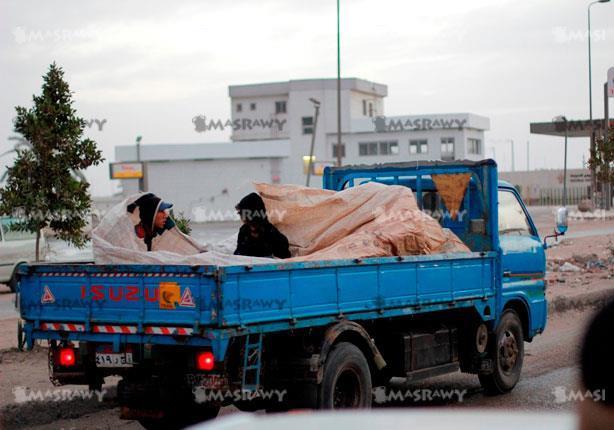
16,247
394,419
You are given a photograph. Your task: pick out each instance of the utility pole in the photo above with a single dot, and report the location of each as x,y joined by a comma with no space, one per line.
338,89
316,105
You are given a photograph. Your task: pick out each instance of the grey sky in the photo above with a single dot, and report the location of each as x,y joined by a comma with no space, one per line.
149,67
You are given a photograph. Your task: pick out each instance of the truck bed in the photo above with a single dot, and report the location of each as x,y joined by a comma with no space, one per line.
187,300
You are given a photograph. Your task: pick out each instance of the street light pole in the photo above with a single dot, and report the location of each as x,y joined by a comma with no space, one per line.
338,89
590,94
138,159
565,167
316,105
513,158
564,120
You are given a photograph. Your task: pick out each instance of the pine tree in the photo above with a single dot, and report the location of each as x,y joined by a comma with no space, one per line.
44,187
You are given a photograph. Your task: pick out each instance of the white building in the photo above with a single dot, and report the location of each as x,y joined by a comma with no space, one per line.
272,127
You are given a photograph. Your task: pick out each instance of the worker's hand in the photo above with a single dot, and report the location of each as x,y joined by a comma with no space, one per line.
169,223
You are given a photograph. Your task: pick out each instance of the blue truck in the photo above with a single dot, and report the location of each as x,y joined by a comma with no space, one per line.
187,340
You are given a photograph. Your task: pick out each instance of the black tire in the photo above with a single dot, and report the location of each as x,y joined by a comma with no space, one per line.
21,338
506,349
12,284
346,382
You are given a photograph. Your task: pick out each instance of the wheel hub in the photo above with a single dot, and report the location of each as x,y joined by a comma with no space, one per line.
347,390
508,351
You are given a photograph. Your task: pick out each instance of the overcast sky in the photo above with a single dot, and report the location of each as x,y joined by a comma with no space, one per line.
149,67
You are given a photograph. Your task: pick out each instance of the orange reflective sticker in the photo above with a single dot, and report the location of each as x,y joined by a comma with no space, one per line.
170,295
451,188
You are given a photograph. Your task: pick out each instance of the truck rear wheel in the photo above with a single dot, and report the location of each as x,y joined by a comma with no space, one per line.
507,354
346,382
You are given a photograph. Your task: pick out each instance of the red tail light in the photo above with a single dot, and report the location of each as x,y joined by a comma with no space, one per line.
205,360
67,357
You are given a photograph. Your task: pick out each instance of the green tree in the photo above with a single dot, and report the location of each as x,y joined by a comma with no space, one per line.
602,158
44,187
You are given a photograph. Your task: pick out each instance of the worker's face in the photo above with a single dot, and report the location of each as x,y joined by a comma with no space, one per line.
160,219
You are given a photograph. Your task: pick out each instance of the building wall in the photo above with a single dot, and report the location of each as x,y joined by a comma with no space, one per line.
205,190
544,187
265,110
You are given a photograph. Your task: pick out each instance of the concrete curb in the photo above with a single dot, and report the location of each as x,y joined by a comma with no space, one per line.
593,299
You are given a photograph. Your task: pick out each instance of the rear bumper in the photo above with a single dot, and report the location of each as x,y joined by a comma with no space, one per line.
149,335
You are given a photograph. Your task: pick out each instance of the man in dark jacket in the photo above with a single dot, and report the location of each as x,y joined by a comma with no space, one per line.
154,217
257,236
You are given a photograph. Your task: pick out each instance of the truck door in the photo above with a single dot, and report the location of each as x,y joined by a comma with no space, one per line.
523,258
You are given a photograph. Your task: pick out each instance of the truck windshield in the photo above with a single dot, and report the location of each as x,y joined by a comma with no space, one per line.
512,219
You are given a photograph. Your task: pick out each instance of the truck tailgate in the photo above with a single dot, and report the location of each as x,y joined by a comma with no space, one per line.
118,295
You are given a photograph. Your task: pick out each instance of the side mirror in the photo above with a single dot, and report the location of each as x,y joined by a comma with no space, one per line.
560,229
561,220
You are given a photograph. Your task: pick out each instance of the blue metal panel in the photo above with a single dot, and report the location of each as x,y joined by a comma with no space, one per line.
123,299
314,292
398,286
435,282
264,296
471,277
357,288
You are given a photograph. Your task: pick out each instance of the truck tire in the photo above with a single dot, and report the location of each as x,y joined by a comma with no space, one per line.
12,284
346,382
507,354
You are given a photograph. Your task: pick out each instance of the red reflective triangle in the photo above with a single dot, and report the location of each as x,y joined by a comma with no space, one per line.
47,296
186,299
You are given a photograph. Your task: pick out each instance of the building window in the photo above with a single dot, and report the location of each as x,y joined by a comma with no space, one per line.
389,148
371,109
252,106
447,148
335,148
474,146
366,149
307,122
280,107
418,146
239,107
364,107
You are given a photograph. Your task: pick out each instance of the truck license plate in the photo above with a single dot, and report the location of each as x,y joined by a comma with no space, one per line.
114,360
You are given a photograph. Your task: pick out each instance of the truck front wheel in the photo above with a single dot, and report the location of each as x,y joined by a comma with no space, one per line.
346,381
506,352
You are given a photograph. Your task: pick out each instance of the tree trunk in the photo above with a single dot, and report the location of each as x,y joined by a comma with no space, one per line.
38,240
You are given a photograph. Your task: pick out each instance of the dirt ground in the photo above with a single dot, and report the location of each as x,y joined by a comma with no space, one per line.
590,261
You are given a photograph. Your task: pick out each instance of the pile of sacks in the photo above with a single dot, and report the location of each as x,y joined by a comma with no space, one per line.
371,220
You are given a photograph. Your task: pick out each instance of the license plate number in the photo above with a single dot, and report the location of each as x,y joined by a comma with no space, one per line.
114,360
